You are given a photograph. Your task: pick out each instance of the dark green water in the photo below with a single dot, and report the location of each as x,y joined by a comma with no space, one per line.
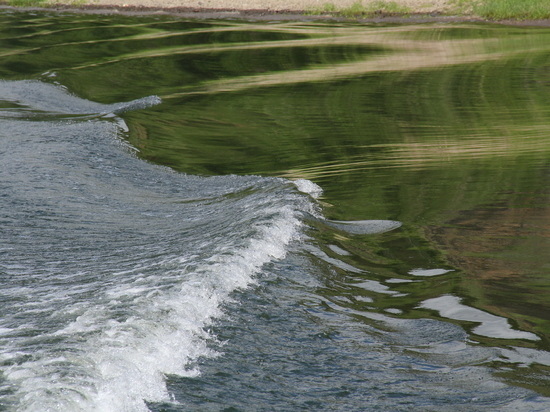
442,127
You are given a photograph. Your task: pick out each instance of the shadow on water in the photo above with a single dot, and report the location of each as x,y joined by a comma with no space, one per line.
444,128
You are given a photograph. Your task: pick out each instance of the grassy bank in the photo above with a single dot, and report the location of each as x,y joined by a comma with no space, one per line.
510,9
358,9
487,9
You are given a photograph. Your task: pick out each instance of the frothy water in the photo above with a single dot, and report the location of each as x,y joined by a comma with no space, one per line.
112,268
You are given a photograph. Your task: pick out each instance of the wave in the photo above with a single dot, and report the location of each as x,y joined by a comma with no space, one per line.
113,269
34,95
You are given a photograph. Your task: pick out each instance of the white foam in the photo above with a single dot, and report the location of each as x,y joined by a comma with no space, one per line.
121,363
307,186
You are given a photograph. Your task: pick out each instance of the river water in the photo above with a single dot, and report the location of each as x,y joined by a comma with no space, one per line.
239,216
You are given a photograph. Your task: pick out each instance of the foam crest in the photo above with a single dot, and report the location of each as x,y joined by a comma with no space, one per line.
118,363
307,186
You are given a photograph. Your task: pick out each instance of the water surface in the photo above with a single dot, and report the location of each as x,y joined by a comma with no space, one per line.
309,216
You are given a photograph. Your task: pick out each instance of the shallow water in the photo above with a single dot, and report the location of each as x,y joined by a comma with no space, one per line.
309,216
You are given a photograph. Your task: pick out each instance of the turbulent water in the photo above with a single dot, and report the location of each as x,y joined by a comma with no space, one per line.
273,232
112,268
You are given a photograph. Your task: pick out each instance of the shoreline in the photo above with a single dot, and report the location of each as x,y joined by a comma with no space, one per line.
157,7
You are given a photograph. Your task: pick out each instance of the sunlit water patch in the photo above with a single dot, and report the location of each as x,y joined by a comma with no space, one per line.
403,266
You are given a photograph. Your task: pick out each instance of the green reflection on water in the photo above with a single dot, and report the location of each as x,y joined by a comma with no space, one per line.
427,132
445,128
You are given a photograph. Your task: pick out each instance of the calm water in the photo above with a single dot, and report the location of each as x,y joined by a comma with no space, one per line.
240,216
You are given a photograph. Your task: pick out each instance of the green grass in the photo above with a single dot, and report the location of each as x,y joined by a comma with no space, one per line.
39,3
357,9
513,9
489,9
25,3
388,7
505,9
